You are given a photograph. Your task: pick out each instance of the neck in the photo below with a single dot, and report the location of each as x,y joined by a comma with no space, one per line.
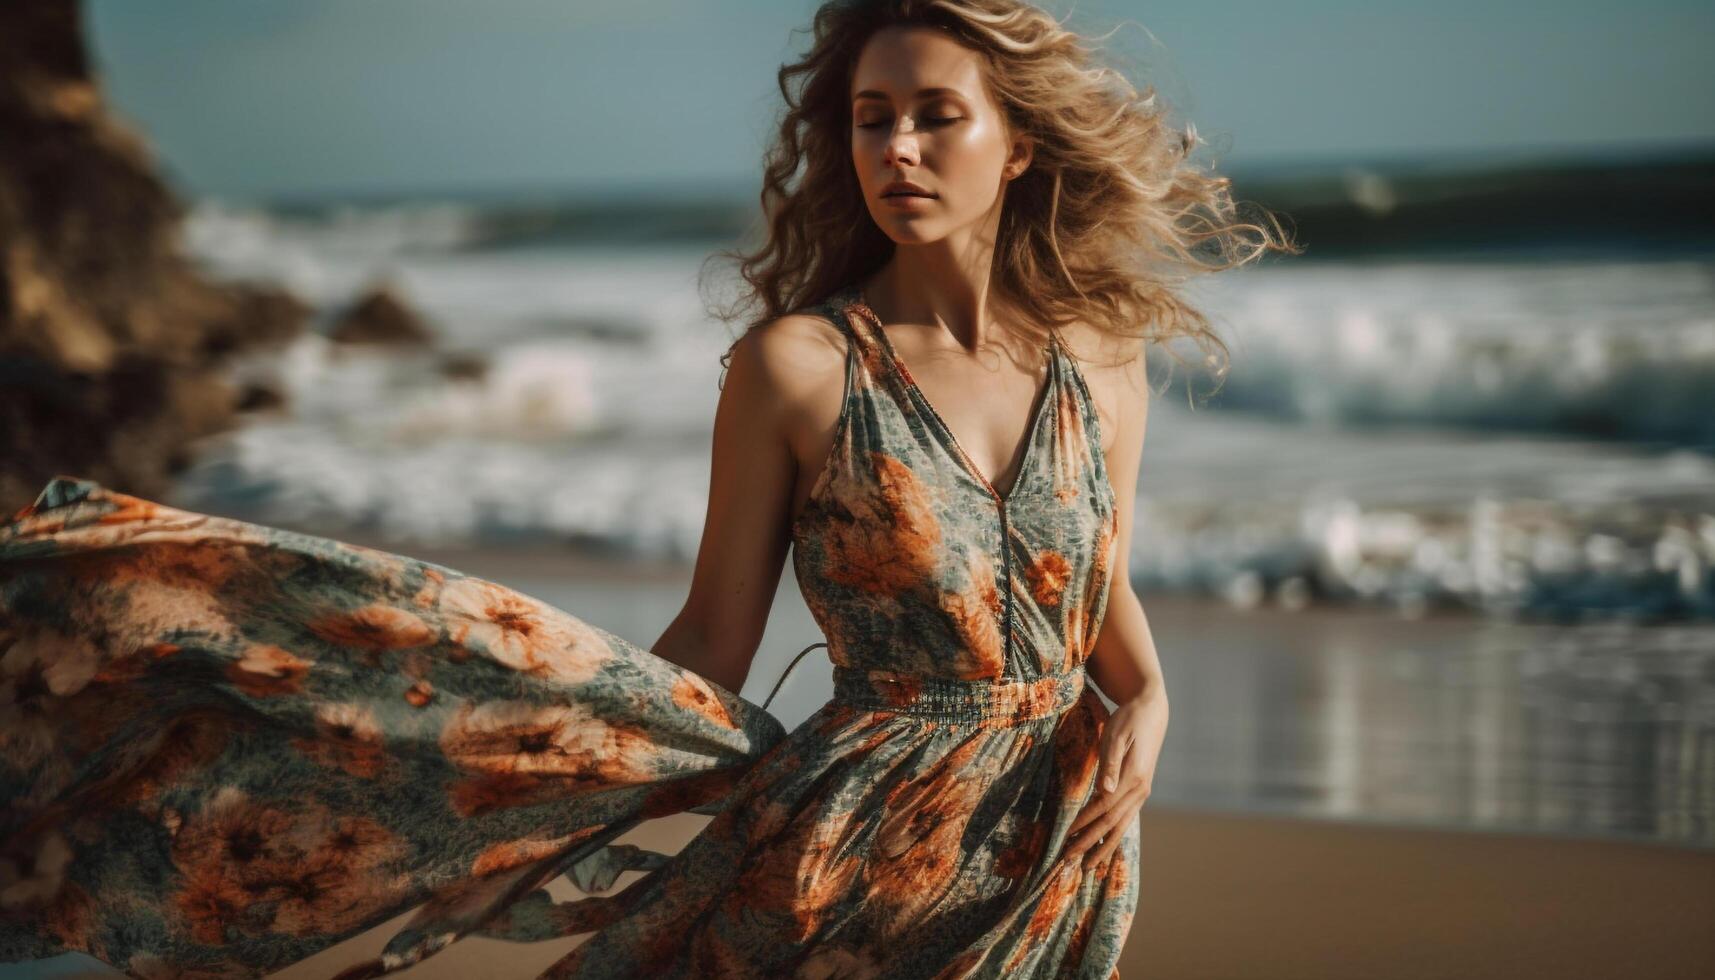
916,287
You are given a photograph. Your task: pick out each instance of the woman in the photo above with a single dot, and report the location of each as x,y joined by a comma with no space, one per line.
228,746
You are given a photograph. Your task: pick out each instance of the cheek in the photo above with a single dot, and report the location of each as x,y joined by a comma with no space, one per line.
970,175
973,157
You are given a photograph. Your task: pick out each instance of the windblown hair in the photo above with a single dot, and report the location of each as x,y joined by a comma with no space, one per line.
1110,216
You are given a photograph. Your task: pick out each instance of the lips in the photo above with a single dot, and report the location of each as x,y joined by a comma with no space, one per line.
905,188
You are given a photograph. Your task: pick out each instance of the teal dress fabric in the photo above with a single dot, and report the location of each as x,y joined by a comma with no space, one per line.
225,747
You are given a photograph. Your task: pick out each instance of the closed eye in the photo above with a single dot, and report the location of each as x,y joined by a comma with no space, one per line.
932,122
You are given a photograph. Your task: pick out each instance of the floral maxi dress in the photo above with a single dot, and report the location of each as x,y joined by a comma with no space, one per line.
225,747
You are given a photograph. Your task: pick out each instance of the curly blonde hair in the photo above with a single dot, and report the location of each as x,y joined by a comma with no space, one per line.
1108,219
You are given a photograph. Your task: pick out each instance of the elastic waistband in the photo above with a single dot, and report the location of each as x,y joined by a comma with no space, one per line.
991,700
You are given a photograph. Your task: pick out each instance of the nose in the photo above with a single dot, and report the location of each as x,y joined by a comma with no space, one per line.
902,144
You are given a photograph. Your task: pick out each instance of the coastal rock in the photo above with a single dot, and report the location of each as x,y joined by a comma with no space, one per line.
464,366
111,340
380,316
261,397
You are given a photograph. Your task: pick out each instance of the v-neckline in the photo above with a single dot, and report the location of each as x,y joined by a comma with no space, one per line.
1044,395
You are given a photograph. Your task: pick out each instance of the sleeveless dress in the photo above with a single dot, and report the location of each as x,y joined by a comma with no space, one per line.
225,747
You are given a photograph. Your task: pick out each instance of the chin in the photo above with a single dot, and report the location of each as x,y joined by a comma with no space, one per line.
910,230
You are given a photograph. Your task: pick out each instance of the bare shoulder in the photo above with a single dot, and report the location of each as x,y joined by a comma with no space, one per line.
1114,369
792,364
787,348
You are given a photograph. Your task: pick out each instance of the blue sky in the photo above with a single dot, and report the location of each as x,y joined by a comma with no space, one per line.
258,97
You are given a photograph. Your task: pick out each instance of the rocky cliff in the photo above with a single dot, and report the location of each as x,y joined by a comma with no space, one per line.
111,341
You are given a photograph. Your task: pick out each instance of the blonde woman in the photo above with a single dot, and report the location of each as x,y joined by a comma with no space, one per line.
229,746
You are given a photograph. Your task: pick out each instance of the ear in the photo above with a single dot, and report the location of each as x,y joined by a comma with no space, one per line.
1018,160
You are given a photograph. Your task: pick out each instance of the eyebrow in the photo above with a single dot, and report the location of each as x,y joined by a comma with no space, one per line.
870,93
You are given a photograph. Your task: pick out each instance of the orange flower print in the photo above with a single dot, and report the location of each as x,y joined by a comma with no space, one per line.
177,564
420,694
1069,464
1095,601
882,531
42,660
1076,752
1116,873
1049,911
415,667
516,736
874,362
816,869
347,737
690,691
207,899
510,854
918,846
1079,940
266,670
375,627
519,752
319,893
433,581
133,510
228,845
1076,624
40,670
521,633
355,842
1048,574
975,613
251,867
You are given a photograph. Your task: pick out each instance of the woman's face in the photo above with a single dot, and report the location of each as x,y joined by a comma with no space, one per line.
921,113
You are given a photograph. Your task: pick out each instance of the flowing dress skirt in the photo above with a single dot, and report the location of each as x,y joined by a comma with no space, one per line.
243,744
225,747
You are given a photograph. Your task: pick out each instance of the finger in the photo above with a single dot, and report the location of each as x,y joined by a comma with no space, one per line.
1093,828
1089,836
1114,815
1113,754
1099,800
1104,850
1092,810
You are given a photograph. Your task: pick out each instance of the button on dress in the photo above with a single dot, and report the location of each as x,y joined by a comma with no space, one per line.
225,747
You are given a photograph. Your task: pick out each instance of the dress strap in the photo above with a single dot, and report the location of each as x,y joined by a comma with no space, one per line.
1092,418
851,321
788,670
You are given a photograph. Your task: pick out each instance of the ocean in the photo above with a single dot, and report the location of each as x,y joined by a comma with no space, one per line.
1503,428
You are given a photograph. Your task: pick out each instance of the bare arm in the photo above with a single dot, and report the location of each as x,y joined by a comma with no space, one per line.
782,380
1123,662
